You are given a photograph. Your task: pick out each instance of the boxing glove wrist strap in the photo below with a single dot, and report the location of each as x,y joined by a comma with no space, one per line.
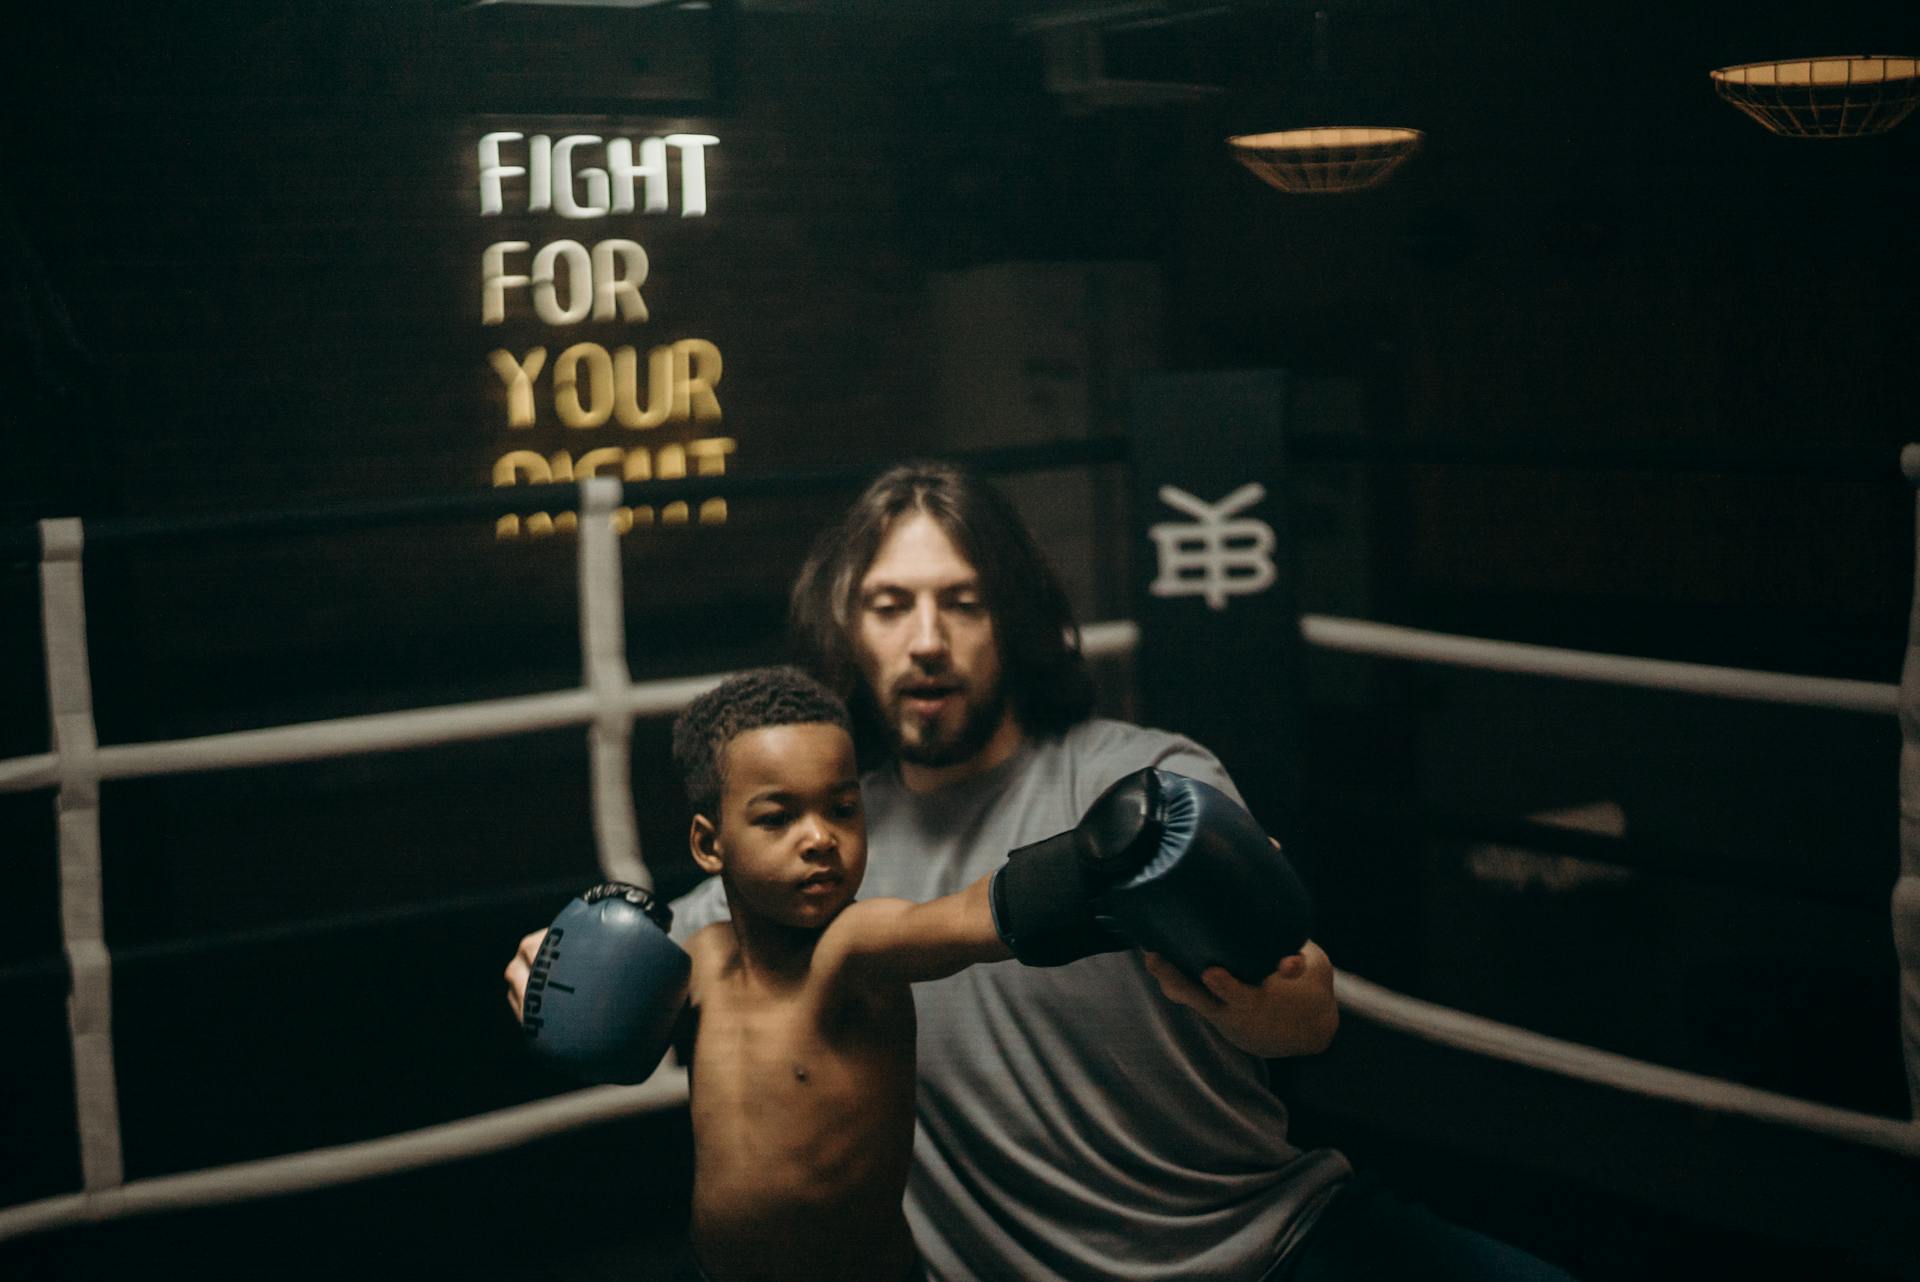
645,900
1040,902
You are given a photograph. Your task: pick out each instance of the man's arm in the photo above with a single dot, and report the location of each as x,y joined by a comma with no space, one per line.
1290,1012
900,940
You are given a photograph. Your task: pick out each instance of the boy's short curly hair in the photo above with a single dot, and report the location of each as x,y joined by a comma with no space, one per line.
752,700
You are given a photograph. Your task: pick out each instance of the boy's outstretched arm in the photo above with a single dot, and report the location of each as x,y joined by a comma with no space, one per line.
908,942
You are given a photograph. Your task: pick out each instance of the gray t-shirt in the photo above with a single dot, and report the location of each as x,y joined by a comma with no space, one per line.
1073,1122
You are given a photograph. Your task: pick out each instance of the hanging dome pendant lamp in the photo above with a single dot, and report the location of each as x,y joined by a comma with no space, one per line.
1842,97
1326,158
1322,159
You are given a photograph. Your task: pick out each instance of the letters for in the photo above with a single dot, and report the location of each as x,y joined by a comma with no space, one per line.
604,284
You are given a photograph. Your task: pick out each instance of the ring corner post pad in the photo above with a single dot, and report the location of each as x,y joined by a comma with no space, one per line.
607,987
1215,576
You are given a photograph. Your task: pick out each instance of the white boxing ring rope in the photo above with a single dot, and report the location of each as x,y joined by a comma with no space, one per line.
1386,640
526,714
607,703
1495,1040
350,1163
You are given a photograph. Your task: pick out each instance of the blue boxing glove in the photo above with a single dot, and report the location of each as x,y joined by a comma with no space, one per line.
1160,862
606,986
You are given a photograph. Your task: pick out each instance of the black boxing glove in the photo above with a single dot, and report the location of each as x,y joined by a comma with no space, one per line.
1044,897
606,986
1161,862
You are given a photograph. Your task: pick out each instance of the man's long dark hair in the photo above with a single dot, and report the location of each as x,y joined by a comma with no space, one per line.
1046,675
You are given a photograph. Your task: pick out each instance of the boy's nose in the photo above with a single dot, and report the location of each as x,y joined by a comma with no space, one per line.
818,837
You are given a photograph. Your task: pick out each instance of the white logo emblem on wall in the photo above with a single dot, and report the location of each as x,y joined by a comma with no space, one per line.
1211,556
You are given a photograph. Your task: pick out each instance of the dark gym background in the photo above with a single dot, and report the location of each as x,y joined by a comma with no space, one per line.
1606,366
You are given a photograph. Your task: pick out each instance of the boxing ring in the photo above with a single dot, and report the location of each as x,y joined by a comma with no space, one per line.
607,702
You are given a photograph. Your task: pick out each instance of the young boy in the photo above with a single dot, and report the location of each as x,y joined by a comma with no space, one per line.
803,1068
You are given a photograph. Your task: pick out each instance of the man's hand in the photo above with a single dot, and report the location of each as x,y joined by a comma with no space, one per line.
520,967
1290,1012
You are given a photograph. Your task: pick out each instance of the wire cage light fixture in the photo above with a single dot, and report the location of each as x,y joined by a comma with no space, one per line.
1326,158
1849,96
1313,156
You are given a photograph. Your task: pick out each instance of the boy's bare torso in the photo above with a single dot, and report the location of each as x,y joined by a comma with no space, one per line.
802,1104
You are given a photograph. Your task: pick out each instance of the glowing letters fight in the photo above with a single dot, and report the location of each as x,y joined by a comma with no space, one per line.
563,282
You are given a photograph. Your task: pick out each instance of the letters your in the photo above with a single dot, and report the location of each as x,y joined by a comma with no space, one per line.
553,180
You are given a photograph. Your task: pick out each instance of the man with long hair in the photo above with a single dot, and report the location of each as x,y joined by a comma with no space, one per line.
1111,1118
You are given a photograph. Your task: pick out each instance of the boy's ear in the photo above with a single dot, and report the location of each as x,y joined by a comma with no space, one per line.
703,840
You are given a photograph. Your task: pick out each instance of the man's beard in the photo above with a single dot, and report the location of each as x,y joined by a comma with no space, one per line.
932,748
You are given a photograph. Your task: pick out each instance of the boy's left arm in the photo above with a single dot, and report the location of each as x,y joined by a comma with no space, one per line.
911,943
